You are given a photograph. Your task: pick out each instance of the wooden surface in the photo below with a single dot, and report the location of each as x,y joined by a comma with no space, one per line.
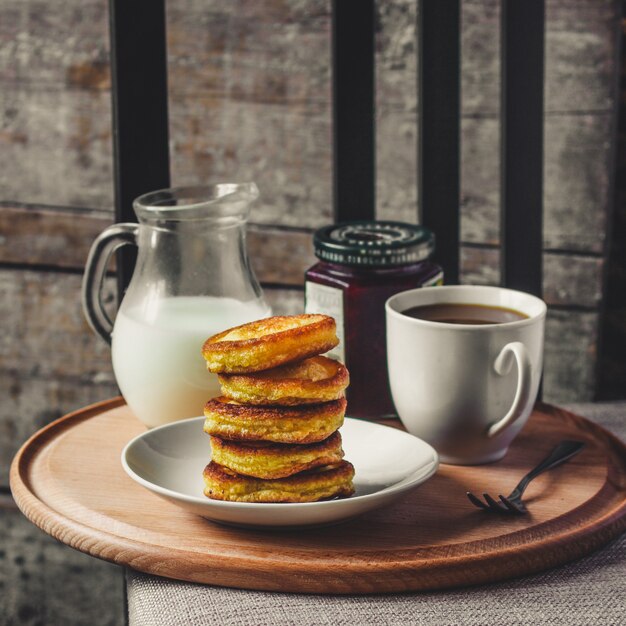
279,255
250,98
68,480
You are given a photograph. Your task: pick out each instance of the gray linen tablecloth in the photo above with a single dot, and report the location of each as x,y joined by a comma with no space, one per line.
590,591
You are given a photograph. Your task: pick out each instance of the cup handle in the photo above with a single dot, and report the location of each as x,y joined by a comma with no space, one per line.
513,351
100,252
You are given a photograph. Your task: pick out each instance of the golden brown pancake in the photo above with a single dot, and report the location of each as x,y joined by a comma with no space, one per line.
269,343
321,483
307,423
275,460
310,381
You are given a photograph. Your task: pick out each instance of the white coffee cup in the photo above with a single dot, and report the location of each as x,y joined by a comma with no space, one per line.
465,389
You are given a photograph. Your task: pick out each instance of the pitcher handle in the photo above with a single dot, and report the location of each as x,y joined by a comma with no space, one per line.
100,252
502,365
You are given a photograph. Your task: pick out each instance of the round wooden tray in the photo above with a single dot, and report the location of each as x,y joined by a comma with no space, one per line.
68,480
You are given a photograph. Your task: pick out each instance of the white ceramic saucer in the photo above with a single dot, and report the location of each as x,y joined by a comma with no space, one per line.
169,461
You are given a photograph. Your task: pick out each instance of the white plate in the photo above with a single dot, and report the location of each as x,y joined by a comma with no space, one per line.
169,461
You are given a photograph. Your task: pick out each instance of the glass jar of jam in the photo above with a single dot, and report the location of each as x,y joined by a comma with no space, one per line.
361,264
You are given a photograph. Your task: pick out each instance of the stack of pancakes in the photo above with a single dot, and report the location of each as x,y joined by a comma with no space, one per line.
274,428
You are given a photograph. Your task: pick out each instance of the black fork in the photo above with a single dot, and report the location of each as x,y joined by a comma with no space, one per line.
513,504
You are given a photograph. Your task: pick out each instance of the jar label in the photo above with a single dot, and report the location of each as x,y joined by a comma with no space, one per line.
327,301
435,281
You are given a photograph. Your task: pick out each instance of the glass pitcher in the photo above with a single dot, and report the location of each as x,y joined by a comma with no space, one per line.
192,280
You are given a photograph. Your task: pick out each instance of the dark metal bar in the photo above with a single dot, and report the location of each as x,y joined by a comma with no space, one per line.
140,121
354,129
522,143
439,128
611,349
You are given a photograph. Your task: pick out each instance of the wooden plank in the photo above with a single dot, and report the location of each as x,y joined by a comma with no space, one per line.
64,135
37,572
579,41
480,266
577,192
570,356
396,166
576,184
44,333
397,54
61,238
51,237
54,47
580,55
572,280
480,45
250,96
285,150
569,280
237,69
265,52
295,189
397,194
581,52
581,49
579,36
480,175
278,256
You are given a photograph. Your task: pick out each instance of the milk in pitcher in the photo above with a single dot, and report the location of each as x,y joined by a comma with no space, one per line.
157,353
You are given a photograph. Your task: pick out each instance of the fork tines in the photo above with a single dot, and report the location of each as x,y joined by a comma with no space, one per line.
504,506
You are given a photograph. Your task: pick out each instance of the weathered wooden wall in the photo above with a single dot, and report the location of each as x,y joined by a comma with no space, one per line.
250,99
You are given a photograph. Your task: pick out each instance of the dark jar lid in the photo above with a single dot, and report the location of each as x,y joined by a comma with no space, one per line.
373,243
